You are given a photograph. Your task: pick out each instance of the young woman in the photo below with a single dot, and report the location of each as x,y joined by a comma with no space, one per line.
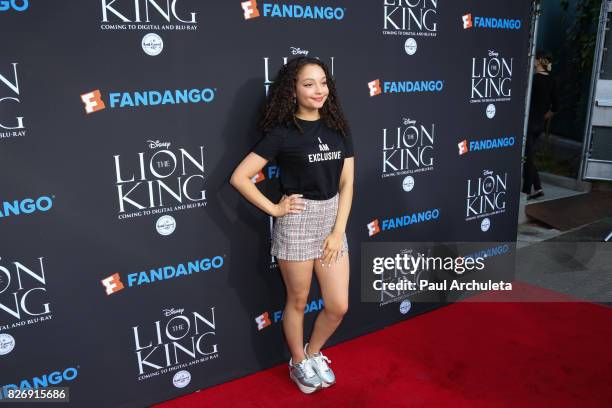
544,104
306,132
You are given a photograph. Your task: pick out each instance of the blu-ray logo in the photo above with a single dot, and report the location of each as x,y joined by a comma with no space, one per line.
26,206
17,5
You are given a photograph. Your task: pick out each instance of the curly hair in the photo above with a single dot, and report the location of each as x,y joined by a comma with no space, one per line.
280,107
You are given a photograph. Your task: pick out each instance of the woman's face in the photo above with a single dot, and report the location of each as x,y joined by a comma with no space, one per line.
311,87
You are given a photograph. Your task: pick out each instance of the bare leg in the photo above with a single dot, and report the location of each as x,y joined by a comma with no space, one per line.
297,276
334,284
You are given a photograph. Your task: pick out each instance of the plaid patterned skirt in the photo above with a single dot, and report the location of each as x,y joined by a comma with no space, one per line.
299,237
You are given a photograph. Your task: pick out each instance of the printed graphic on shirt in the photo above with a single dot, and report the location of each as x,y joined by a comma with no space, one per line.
323,147
311,158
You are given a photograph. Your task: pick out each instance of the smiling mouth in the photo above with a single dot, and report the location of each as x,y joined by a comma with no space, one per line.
318,99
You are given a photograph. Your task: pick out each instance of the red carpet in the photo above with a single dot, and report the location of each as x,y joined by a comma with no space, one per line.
463,355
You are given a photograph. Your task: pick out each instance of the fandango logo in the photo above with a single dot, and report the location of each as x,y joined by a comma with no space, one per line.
376,226
17,5
272,171
46,380
26,206
113,284
376,88
299,11
485,144
470,21
489,252
263,320
93,100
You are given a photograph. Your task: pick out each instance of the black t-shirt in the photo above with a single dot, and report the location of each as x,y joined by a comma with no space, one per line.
310,163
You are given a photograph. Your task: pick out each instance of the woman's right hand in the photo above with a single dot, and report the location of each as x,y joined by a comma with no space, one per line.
290,205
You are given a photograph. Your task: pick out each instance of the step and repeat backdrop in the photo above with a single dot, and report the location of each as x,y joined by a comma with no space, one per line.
130,270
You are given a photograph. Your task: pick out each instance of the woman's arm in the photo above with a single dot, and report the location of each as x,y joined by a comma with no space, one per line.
333,243
241,180
345,199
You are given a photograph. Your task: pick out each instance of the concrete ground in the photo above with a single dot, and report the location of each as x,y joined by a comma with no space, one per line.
531,231
580,268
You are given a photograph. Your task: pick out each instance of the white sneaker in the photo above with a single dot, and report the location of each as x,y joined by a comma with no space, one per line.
304,376
319,364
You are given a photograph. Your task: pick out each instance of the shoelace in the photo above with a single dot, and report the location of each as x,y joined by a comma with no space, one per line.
319,359
306,368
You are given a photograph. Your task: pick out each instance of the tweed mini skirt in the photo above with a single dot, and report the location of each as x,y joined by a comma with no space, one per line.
299,237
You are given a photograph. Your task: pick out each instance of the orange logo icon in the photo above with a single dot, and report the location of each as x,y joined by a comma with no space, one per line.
112,284
93,101
373,228
263,321
467,21
374,87
250,9
258,177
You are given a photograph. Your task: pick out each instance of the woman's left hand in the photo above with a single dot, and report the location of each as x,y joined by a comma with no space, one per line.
332,247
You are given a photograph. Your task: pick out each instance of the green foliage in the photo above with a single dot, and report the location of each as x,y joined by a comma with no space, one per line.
580,42
581,35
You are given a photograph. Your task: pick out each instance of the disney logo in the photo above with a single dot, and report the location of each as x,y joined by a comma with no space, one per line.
493,53
407,121
173,311
298,51
153,144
